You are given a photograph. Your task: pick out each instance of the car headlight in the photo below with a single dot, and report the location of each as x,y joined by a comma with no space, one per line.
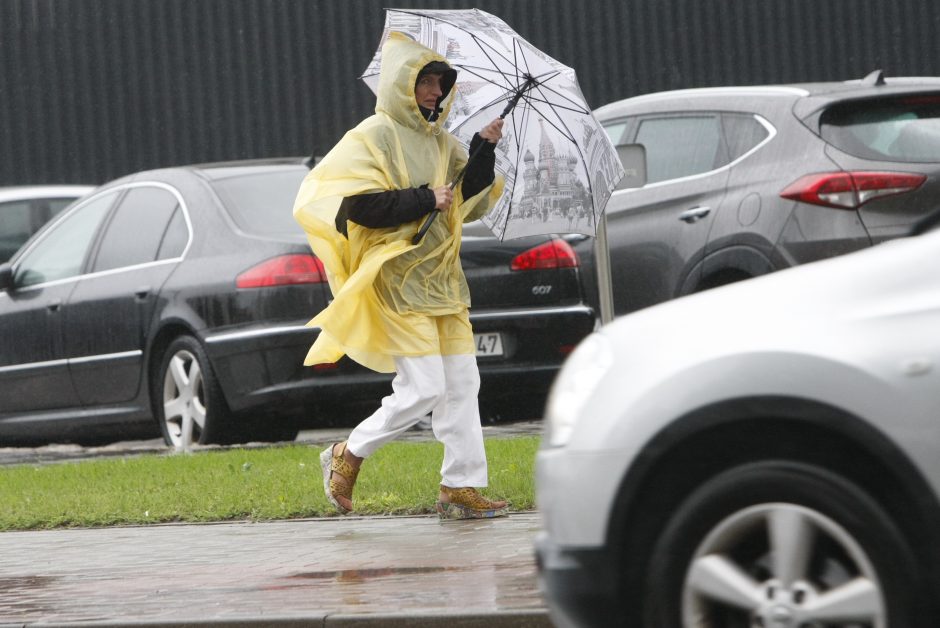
575,384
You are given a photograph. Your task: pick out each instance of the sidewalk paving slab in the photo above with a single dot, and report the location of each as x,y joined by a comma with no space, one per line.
332,572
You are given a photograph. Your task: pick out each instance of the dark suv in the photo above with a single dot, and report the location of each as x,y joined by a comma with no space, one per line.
743,181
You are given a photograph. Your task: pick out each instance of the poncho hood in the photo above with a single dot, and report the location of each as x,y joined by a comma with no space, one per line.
402,61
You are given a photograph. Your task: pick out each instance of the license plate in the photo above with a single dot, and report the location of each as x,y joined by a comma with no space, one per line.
488,344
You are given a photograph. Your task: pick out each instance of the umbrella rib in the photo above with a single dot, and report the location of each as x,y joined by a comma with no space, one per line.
504,98
537,96
564,131
554,105
518,137
483,49
572,101
516,53
540,78
472,70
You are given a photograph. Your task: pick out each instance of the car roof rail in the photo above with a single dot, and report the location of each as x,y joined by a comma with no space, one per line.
875,78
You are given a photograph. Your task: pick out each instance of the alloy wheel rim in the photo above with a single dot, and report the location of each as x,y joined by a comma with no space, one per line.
781,565
184,408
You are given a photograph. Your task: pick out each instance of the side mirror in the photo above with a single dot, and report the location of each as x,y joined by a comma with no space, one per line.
633,158
6,277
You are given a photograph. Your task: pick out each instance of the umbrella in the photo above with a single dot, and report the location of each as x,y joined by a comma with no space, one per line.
559,165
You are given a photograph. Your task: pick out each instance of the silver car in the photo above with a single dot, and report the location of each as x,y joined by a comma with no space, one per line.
24,209
765,454
744,181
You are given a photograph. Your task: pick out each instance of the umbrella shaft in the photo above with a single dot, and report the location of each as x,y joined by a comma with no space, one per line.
529,84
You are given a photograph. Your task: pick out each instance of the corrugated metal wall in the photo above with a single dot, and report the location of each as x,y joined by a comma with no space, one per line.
93,89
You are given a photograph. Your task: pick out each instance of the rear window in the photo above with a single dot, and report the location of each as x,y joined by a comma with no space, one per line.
262,203
905,129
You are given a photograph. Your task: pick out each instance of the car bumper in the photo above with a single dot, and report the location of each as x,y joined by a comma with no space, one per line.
262,366
579,585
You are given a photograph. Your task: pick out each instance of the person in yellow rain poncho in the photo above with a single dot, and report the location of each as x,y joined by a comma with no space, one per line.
398,306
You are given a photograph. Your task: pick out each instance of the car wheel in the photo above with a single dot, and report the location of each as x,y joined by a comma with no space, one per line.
189,403
780,545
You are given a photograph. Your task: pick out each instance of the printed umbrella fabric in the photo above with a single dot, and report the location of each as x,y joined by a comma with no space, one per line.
559,165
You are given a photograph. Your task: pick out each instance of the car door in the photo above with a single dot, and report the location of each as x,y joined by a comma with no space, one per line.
34,374
108,316
657,233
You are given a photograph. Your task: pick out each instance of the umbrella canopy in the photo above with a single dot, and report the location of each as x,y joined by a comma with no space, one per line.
559,165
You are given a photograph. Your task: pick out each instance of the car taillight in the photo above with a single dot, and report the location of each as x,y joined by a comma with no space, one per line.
850,190
552,254
283,271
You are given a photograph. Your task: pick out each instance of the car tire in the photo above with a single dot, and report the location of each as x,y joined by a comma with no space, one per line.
717,564
188,403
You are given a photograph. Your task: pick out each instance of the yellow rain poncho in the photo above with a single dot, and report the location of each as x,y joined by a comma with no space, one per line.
391,298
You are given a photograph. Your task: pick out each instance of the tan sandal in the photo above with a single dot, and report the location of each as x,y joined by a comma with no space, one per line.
467,503
339,477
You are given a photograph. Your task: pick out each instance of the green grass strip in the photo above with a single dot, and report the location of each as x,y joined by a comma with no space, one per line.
243,484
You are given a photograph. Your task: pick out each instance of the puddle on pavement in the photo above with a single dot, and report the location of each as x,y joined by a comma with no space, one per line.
356,576
24,583
361,575
16,595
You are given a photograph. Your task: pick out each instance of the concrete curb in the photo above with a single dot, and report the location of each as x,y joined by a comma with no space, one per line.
503,619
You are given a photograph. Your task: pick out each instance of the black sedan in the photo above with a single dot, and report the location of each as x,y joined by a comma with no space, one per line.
176,301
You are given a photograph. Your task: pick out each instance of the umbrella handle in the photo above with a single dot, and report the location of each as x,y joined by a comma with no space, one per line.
424,227
430,218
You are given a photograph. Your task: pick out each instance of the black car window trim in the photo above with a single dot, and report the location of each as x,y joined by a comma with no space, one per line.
772,132
93,249
96,247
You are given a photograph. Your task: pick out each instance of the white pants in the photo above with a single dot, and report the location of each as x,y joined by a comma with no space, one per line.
447,387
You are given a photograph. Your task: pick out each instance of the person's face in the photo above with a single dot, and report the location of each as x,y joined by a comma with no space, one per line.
428,90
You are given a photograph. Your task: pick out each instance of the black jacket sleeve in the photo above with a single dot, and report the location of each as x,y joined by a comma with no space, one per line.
385,209
480,168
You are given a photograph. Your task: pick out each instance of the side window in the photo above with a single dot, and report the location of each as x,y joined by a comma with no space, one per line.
679,146
742,132
615,130
62,251
56,205
175,238
134,234
15,227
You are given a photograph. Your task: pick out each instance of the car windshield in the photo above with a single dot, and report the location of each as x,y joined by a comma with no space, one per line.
905,129
261,202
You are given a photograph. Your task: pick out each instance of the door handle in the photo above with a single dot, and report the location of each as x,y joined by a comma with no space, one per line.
142,292
694,214
54,305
